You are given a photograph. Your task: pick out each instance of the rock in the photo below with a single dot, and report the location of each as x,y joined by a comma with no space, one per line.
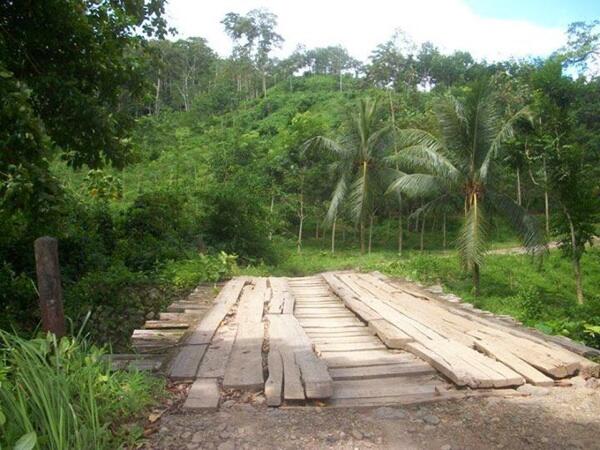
388,413
227,445
224,435
357,435
430,419
228,403
186,435
446,447
592,383
331,439
578,381
536,391
197,437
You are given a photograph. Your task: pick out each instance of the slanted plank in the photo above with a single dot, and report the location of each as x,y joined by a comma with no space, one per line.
228,296
503,354
392,336
279,341
215,360
185,364
203,395
274,383
244,368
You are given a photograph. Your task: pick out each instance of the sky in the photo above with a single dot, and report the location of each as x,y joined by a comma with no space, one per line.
489,29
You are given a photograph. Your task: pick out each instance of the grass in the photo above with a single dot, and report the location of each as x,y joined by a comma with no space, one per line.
62,394
539,295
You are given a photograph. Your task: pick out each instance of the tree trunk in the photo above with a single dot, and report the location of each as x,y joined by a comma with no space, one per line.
370,232
301,215
422,232
400,226
576,258
475,273
519,199
444,230
157,97
264,83
271,214
362,236
546,202
340,80
333,235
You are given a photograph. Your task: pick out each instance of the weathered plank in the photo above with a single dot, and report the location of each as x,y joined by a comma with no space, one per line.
385,387
349,346
244,367
503,354
185,364
215,360
416,367
392,336
274,383
361,358
228,296
280,342
165,324
203,395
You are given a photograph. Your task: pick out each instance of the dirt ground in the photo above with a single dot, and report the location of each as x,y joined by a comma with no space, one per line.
547,418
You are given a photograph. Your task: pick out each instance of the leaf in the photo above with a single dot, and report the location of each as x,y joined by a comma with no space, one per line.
154,417
26,442
2,418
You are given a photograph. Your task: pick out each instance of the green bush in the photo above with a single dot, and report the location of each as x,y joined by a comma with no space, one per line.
62,395
118,300
187,273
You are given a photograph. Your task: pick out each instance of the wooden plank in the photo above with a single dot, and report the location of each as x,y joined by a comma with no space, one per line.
206,328
388,370
361,358
292,382
215,360
315,377
349,346
345,339
185,364
244,368
274,383
385,387
499,352
329,323
203,395
546,356
165,324
276,303
391,336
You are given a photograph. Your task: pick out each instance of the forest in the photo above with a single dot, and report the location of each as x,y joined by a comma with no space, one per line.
159,164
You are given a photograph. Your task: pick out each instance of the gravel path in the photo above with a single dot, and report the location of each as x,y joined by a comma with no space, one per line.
555,418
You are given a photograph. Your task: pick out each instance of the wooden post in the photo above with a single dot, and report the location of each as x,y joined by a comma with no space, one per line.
49,286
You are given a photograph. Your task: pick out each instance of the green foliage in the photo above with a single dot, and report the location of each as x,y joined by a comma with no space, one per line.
187,273
62,394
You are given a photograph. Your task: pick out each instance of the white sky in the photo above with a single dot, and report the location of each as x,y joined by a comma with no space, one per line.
360,25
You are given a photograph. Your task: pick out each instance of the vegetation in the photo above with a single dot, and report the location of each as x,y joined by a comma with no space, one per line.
60,394
159,164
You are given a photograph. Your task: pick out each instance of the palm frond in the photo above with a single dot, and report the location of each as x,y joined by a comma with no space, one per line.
504,132
358,196
472,238
322,142
339,193
525,224
420,185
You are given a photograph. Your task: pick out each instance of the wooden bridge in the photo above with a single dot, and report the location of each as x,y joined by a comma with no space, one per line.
351,339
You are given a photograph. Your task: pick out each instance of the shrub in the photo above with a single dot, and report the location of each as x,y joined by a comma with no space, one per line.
61,394
187,273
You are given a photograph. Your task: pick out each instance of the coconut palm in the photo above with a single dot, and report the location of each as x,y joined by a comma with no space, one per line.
457,167
360,165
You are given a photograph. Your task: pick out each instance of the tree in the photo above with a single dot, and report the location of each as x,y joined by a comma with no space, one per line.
359,165
65,67
258,29
458,167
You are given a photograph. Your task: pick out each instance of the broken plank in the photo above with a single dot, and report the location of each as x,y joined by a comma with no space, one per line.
215,360
274,383
185,364
203,395
244,367
392,336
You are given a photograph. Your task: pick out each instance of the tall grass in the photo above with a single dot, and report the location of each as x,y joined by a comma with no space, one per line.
62,394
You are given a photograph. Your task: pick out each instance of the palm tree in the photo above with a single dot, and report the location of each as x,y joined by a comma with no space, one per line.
458,168
360,165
